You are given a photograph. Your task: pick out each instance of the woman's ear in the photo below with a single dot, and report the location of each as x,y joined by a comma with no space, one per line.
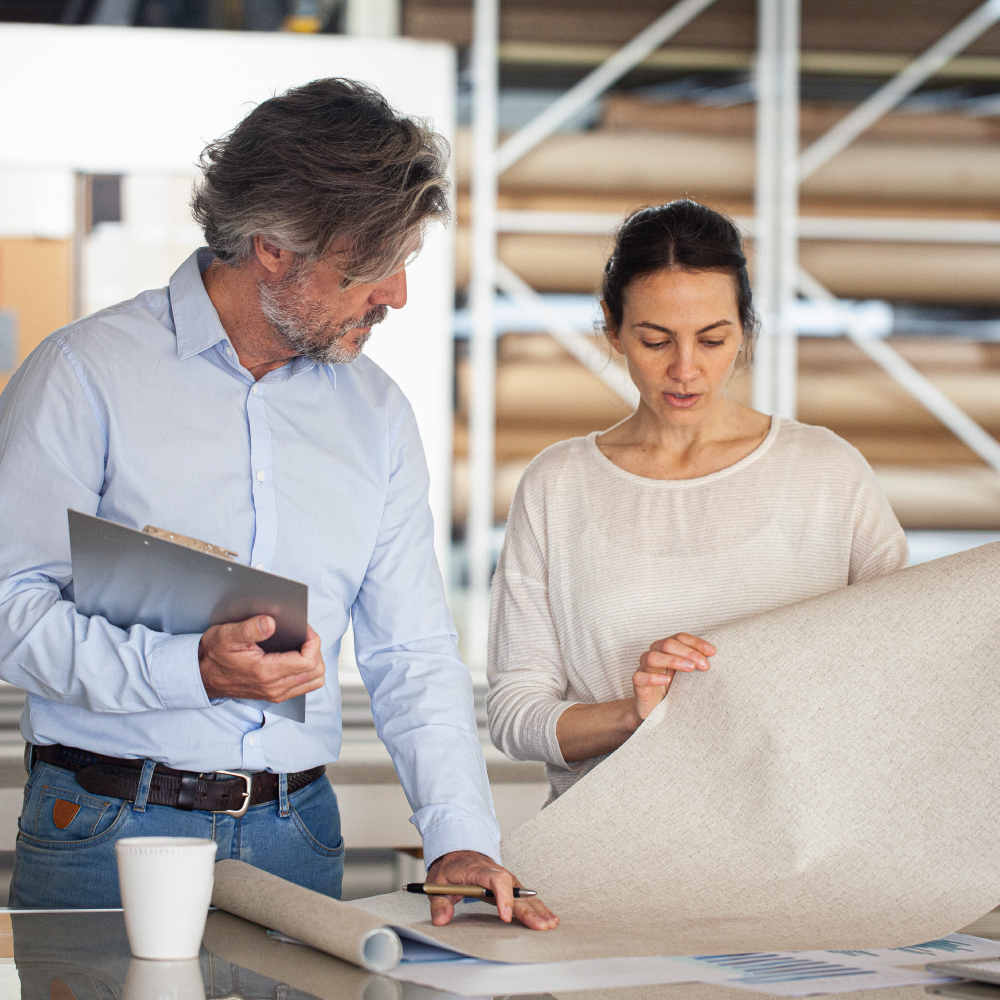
610,328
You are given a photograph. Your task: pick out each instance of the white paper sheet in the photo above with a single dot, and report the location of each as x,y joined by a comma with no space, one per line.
789,974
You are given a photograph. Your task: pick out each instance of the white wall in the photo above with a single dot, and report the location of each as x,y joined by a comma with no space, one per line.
144,102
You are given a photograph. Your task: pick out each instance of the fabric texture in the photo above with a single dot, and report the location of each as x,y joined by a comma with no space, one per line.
830,783
598,563
142,414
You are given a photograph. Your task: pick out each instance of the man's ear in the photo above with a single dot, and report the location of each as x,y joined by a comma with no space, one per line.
273,258
611,328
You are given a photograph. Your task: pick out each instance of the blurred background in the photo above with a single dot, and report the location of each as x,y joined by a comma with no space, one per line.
856,143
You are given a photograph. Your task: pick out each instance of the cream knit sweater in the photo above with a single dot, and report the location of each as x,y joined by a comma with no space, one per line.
598,563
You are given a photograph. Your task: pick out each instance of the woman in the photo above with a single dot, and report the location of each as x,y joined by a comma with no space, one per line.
623,547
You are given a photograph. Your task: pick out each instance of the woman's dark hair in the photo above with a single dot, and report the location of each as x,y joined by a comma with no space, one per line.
687,236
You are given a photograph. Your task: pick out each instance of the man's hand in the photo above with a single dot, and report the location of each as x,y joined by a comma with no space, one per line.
234,666
472,868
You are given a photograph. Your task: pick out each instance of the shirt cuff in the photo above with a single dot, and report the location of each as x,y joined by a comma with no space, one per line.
445,829
554,751
176,674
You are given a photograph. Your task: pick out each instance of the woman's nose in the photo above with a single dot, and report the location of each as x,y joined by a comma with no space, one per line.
682,367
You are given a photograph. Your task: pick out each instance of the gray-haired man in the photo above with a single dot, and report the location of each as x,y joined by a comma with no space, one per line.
235,406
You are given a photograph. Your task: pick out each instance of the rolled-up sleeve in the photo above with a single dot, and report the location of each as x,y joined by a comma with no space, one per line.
421,691
53,447
526,673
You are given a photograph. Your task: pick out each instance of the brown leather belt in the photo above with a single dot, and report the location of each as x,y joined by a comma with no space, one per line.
231,792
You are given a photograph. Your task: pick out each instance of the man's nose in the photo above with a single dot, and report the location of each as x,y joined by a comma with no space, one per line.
391,292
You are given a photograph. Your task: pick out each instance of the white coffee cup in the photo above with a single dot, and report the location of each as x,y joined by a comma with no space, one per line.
150,980
166,886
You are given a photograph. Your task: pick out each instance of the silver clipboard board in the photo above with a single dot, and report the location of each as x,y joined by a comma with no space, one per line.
133,578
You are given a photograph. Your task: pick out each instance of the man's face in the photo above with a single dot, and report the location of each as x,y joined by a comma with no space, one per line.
321,321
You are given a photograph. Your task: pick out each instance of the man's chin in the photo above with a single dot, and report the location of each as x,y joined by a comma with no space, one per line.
342,351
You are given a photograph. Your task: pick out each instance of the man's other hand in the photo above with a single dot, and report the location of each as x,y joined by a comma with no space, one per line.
234,666
472,868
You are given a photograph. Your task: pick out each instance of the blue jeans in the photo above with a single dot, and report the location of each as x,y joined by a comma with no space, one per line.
296,837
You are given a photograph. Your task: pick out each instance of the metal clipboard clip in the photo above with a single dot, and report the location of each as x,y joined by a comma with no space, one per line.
191,543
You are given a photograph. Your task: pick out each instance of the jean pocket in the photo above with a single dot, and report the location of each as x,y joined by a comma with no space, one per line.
59,812
317,817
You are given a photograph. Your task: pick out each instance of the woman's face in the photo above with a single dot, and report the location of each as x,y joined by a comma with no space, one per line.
680,334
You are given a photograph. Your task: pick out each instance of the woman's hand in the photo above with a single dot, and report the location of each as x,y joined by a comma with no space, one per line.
660,662
586,731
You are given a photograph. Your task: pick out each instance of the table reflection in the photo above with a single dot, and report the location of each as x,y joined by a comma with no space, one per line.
80,955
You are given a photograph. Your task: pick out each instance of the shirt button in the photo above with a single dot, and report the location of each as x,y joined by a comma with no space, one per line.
258,566
253,741
255,390
229,351
260,475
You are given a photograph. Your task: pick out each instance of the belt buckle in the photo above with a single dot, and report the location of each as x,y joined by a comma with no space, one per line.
238,813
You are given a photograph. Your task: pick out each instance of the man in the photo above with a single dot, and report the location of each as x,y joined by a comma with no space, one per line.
235,406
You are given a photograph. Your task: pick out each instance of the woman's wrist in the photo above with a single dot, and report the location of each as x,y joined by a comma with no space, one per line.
586,731
633,720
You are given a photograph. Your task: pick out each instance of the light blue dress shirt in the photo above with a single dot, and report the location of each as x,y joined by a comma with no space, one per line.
142,414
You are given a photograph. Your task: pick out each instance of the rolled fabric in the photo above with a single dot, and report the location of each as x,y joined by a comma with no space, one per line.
327,924
830,782
319,975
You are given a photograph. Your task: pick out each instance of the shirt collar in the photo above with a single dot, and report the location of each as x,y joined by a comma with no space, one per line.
195,319
197,325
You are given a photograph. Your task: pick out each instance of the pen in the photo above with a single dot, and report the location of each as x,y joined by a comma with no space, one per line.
472,891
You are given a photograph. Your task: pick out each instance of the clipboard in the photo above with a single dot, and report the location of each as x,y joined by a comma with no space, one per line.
135,577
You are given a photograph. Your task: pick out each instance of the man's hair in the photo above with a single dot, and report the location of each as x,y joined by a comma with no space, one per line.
329,164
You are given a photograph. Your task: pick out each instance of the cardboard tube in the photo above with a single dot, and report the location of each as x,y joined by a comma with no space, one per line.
566,395
670,164
327,924
950,498
628,113
916,272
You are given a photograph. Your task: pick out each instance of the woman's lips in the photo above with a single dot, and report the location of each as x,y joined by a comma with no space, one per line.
681,400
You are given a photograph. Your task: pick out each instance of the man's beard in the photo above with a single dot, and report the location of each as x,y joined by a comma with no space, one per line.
302,325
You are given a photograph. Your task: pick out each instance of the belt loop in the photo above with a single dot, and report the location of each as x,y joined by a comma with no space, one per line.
29,756
284,810
142,793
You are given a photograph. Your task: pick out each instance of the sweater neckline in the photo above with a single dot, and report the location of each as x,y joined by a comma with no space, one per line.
729,470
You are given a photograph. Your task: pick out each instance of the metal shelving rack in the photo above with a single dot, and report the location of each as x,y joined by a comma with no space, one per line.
776,229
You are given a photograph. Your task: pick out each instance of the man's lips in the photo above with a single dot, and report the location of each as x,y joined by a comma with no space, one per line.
681,400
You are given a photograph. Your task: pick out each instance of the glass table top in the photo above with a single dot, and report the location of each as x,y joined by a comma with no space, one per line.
84,955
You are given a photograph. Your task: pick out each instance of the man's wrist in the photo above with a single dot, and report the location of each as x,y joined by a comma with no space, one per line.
455,856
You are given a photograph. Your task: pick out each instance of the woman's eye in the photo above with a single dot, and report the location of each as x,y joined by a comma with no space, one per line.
657,345
713,343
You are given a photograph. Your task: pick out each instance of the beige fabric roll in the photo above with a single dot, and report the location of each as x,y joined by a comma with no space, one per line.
831,782
325,923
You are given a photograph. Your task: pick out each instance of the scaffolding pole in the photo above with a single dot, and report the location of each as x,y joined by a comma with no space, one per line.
482,346
776,196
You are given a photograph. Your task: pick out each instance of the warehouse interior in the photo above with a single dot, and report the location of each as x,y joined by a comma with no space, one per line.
902,226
